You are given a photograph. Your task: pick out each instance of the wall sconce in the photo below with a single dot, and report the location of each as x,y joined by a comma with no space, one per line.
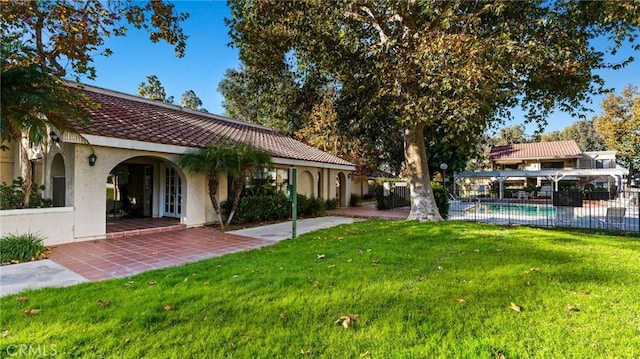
92,159
54,137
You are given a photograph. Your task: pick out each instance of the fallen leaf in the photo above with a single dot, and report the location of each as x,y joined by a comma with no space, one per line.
515,307
365,354
551,278
346,320
185,279
282,315
528,284
349,260
206,283
22,299
305,351
594,346
31,312
154,253
440,268
476,250
535,269
5,334
461,301
104,303
168,308
571,308
375,262
15,261
235,276
320,256
127,340
152,283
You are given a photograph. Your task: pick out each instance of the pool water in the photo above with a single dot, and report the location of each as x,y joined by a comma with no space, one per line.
526,210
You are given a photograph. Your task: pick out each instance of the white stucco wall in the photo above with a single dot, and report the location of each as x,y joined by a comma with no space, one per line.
55,224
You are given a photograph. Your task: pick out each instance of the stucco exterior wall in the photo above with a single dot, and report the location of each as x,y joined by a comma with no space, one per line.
6,163
55,224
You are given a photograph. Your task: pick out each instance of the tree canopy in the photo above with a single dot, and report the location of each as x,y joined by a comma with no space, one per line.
444,70
154,90
619,125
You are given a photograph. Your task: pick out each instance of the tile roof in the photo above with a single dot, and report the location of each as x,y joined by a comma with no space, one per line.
134,118
538,150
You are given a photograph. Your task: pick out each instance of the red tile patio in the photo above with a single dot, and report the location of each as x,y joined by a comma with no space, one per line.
121,227
120,257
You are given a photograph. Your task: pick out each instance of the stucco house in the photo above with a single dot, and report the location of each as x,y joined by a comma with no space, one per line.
544,164
129,150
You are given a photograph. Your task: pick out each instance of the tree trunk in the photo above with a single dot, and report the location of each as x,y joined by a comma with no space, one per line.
237,185
25,171
213,189
423,203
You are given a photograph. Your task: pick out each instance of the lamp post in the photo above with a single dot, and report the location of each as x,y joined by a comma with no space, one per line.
443,167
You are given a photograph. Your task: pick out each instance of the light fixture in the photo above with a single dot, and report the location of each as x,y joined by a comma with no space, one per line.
92,159
54,137
443,167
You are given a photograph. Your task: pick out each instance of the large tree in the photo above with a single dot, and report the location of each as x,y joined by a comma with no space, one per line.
189,99
44,41
583,132
619,125
154,90
458,65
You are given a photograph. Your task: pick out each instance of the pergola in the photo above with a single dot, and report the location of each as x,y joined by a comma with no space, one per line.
553,175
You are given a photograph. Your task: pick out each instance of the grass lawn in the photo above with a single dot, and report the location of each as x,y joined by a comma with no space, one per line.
418,290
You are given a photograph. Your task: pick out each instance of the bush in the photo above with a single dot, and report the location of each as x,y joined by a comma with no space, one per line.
21,247
442,198
258,208
12,196
332,203
310,207
355,200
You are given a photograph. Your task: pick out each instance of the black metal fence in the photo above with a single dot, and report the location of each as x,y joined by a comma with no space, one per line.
562,209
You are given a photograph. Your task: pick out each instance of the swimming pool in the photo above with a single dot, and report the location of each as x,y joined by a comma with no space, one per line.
510,209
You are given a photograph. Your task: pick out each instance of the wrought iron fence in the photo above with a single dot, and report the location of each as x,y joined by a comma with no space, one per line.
612,211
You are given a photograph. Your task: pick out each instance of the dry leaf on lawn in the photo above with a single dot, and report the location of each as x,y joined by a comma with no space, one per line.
320,256
30,312
305,351
461,301
365,354
168,308
572,308
152,282
515,307
346,320
22,299
104,303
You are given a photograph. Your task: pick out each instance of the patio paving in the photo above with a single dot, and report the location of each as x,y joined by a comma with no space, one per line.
120,257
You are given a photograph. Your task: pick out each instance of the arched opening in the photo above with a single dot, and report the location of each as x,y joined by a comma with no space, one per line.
305,185
58,181
145,187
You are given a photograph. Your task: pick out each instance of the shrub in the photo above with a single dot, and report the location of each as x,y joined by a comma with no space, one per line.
310,207
12,196
21,247
332,203
257,208
355,200
442,198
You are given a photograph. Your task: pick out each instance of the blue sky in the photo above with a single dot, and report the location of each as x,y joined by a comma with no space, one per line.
208,57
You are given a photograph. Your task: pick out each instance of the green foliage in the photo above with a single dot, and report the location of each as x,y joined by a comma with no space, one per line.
271,206
259,208
420,290
441,195
154,90
332,204
21,247
13,196
355,200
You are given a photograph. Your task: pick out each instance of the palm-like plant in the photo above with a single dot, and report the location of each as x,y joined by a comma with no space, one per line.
32,103
206,160
237,161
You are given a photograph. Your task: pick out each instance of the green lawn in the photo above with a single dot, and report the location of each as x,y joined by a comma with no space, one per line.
419,291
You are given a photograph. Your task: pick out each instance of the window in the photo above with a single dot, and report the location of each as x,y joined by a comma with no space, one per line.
603,163
275,179
552,165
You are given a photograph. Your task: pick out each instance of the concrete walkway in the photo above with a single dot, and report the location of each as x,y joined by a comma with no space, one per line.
281,231
114,258
33,275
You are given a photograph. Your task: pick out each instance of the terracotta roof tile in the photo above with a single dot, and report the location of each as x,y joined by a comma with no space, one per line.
538,150
129,117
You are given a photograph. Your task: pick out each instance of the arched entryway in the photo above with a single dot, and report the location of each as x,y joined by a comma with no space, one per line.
58,181
145,187
306,185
